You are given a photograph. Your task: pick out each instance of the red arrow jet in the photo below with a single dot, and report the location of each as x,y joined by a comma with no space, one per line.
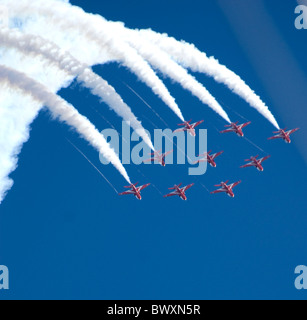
136,191
180,192
157,156
209,158
283,134
235,127
190,128
226,188
254,162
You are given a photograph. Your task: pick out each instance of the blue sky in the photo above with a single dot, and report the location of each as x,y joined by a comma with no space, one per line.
65,234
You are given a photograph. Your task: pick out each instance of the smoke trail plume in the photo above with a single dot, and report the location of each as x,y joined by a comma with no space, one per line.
63,111
16,114
29,44
190,57
59,16
162,61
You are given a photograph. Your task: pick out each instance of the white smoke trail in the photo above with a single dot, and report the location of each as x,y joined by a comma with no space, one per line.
17,112
54,17
63,111
162,61
29,44
190,57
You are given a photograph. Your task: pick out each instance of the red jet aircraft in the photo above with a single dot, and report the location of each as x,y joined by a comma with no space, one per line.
254,162
157,156
179,191
190,128
226,188
235,127
283,134
136,191
209,158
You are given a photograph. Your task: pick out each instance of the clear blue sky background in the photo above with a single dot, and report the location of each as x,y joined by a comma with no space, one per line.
65,234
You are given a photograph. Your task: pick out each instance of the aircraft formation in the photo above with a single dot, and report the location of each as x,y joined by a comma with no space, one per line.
224,187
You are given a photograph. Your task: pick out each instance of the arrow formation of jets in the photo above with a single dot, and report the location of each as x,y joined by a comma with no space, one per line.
224,187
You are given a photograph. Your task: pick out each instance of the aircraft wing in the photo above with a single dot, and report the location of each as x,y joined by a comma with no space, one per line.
201,161
197,124
265,158
126,192
217,155
276,137
188,187
245,125
180,130
228,130
185,123
144,186
251,164
235,184
218,191
175,193
292,131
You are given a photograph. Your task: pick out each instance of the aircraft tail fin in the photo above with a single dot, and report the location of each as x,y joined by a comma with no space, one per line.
131,186
175,187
